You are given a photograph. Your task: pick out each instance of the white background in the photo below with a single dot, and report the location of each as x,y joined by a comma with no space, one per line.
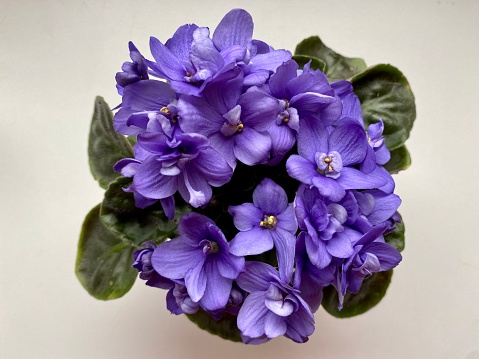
56,56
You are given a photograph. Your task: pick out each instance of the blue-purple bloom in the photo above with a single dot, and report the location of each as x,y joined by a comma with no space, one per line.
326,160
200,256
273,308
268,220
369,257
208,109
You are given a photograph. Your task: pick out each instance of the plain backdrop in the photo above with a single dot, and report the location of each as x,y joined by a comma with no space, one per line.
56,56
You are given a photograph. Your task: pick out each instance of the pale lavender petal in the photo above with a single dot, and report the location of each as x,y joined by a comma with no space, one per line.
388,256
180,43
224,91
224,146
312,139
329,187
217,290
255,241
274,325
195,280
245,216
354,179
212,166
257,277
270,197
151,184
258,110
287,220
252,147
236,28
384,206
194,226
285,244
230,266
251,316
278,82
166,62
301,169
172,259
350,141
270,60
340,245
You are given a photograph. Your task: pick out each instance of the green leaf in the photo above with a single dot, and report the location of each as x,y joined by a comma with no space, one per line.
105,146
225,328
103,264
396,237
135,225
371,292
316,64
400,160
385,94
338,67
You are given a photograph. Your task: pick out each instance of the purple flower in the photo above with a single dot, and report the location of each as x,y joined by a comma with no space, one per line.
369,257
143,102
325,224
268,220
178,300
200,256
234,123
184,163
131,71
326,160
273,308
304,96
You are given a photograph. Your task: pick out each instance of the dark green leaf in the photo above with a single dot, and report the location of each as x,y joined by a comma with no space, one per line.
400,160
316,64
371,292
135,225
338,67
105,146
225,328
396,237
103,264
385,94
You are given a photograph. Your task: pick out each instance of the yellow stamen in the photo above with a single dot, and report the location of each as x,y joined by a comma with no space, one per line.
286,119
239,128
268,222
328,160
164,109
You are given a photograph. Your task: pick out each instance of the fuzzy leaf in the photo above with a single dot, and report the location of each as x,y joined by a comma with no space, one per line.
338,67
103,264
385,94
371,292
316,64
225,328
105,146
135,225
400,160
396,237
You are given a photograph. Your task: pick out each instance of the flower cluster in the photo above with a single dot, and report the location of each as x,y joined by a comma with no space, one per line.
317,202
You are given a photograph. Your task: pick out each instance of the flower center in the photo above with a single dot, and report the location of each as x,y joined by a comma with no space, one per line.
268,222
210,247
165,110
239,128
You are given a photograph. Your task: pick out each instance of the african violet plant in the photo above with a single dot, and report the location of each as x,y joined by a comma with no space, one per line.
252,184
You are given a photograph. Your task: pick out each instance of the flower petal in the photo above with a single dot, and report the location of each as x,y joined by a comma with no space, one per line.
245,216
255,241
252,147
270,197
274,325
